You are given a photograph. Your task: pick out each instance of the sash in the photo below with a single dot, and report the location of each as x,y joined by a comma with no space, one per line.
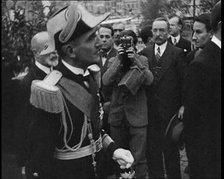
77,95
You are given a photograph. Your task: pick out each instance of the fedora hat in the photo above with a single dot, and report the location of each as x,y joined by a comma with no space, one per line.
42,43
174,129
73,21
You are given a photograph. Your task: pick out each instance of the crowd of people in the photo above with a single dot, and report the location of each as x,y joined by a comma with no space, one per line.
99,99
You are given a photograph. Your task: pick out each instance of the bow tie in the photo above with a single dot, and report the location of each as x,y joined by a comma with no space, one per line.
104,55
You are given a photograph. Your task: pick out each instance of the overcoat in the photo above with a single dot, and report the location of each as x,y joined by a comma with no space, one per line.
164,96
202,116
24,118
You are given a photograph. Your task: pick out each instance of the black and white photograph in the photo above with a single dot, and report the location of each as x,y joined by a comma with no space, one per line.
111,89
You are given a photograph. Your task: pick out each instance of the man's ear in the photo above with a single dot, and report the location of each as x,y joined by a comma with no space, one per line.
36,53
70,50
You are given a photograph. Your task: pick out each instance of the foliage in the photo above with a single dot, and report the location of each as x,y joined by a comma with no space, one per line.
17,32
154,8
151,10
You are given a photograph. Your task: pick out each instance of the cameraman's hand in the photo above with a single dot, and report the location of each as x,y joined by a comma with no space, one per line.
120,49
121,52
131,53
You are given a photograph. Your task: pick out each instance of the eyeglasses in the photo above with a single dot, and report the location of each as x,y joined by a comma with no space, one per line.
106,36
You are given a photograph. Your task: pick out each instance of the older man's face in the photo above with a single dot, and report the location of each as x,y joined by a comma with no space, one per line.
48,60
160,32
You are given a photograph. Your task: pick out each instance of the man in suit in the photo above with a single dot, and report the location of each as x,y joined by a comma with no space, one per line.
45,58
68,114
118,28
176,25
128,111
107,51
202,101
164,100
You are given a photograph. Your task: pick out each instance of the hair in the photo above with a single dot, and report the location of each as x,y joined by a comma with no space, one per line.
145,33
130,33
205,19
215,17
180,20
162,19
108,26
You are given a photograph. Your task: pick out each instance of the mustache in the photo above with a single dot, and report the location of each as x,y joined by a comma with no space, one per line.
158,38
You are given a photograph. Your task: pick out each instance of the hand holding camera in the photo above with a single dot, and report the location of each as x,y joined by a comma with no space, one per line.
126,48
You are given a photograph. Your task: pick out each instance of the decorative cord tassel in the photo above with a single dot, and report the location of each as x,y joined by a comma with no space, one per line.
90,136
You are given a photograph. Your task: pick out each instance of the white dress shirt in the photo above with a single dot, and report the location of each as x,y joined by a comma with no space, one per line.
162,48
45,69
104,58
216,41
177,39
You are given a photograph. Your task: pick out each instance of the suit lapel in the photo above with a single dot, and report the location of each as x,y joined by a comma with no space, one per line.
180,43
151,57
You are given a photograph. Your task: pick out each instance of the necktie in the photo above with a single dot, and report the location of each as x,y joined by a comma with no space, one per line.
158,55
175,41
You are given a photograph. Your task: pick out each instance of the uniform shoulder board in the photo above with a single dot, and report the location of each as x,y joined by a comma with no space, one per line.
46,95
53,77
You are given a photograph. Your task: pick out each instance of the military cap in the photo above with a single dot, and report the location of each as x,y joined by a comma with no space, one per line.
73,21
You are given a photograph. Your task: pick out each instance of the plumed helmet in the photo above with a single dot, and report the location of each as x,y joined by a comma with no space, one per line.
73,21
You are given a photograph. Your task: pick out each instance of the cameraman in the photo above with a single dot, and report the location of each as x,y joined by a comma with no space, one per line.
128,111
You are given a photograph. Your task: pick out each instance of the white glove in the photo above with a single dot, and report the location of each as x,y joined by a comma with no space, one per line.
123,157
23,170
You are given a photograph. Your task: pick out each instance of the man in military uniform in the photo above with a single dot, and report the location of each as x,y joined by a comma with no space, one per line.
69,115
45,59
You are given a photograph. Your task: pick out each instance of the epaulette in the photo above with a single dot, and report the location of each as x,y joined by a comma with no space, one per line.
46,95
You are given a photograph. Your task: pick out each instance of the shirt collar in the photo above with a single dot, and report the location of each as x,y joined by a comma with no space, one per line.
177,38
75,70
80,71
216,41
162,48
42,67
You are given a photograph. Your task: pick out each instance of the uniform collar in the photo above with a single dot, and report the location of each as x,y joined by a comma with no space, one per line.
80,71
75,70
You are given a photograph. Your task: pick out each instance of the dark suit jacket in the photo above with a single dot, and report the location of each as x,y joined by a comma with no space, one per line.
24,118
133,107
164,96
183,43
202,116
107,90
